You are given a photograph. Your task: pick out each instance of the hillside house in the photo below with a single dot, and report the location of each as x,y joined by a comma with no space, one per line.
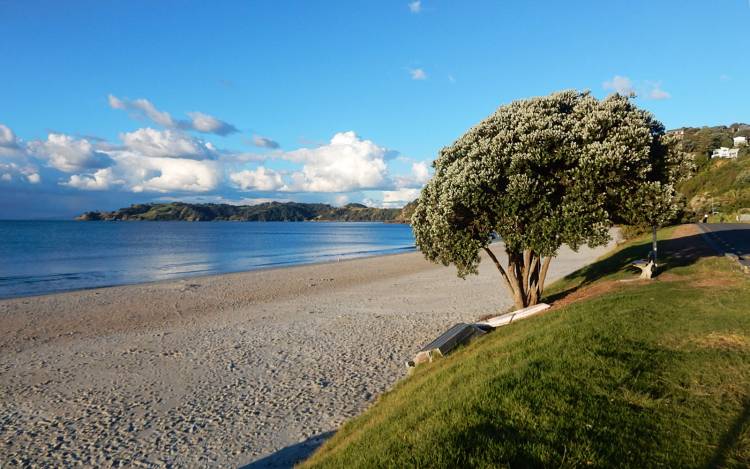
725,152
740,141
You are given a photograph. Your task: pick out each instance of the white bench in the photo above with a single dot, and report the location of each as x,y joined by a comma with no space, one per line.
648,268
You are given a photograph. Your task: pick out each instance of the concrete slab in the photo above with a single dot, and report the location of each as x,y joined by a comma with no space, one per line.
505,319
459,334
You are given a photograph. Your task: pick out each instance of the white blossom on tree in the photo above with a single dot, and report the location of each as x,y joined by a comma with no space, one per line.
544,172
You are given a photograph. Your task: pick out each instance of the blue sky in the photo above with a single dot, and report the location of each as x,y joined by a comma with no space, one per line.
104,104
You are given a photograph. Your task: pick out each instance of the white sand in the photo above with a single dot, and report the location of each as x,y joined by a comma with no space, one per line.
222,370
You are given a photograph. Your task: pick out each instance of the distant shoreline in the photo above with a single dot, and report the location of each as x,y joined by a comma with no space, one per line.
269,211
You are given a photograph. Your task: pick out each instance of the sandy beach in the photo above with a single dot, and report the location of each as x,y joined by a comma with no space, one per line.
224,370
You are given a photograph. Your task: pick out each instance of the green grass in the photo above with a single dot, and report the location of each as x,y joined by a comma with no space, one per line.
645,375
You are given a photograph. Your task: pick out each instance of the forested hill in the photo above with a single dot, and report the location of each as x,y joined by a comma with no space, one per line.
270,211
718,184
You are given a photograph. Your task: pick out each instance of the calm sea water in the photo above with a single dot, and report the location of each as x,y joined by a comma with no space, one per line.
38,257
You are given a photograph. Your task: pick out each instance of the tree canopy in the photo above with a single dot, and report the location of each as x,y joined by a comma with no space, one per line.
544,172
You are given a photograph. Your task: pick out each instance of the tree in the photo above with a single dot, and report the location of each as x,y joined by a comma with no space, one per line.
544,172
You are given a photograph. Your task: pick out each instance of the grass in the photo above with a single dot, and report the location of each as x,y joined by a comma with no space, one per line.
637,374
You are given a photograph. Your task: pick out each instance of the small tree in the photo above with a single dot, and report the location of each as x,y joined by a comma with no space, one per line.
541,173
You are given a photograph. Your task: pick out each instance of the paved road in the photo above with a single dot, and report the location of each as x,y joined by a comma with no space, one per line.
731,237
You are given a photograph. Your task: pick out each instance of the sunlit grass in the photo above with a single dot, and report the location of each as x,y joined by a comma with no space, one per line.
644,374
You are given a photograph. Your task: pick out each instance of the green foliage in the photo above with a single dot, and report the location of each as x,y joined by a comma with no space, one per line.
701,142
271,211
647,375
723,183
544,172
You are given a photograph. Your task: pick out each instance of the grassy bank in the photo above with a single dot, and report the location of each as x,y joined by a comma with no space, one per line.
628,374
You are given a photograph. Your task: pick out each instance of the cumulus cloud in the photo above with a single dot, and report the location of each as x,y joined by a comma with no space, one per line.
656,92
264,142
7,137
261,179
141,173
415,6
392,199
167,143
147,161
68,154
420,174
102,179
208,124
15,161
346,163
142,108
401,196
10,146
199,122
620,84
417,74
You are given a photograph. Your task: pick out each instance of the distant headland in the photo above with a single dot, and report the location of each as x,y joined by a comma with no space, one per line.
269,211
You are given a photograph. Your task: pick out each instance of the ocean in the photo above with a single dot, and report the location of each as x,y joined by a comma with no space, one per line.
39,257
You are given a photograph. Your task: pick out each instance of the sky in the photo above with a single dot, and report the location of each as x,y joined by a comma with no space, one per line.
106,104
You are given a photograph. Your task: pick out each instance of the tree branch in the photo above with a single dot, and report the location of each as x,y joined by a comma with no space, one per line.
543,274
500,268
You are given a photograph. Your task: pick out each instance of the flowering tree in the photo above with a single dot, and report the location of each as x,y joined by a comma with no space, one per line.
544,172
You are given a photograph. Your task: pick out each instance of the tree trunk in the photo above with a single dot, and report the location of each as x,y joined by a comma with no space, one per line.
524,275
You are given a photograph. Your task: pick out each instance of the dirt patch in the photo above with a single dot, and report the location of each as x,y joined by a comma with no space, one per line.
716,340
684,231
669,277
715,282
592,291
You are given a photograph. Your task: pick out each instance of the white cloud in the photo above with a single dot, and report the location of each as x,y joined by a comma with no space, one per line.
261,179
68,154
415,6
341,199
209,124
417,74
346,163
619,84
7,137
656,92
264,142
200,122
10,171
9,144
392,199
100,180
142,108
421,172
400,196
156,174
167,143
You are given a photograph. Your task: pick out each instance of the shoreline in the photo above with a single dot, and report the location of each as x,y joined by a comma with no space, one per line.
391,252
225,369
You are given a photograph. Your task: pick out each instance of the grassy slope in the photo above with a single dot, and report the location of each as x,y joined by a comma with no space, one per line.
637,375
